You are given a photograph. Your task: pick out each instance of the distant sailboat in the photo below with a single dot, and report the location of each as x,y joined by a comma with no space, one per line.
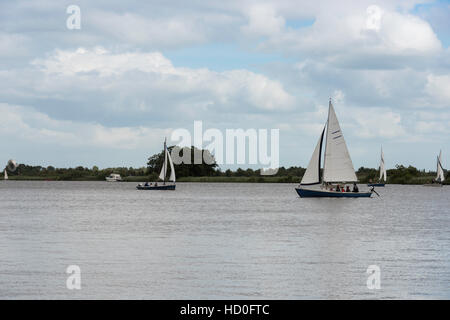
383,177
337,169
5,177
162,175
439,174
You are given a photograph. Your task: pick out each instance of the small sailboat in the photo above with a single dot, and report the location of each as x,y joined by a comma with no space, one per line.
440,174
5,177
337,169
162,175
383,177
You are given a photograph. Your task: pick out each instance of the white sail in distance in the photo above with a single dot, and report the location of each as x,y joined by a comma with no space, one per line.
440,169
312,173
5,175
383,175
163,172
338,166
172,169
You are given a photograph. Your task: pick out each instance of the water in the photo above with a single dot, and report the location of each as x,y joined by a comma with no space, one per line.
220,241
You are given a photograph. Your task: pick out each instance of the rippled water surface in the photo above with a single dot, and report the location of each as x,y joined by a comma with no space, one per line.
220,241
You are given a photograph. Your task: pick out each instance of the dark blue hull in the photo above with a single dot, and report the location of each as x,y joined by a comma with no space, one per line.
309,193
375,184
161,187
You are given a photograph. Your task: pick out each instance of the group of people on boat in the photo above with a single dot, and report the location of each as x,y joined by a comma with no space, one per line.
340,188
150,184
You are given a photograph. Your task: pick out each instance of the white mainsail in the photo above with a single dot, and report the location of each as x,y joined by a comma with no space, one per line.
172,169
163,172
338,166
440,169
383,175
312,173
6,175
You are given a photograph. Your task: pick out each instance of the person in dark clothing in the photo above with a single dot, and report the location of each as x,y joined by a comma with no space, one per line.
347,189
355,187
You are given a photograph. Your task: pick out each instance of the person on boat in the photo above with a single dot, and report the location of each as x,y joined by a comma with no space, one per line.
355,187
347,189
156,184
146,184
338,188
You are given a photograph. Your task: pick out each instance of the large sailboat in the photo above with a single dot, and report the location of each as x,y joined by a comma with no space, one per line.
440,174
170,185
383,177
337,169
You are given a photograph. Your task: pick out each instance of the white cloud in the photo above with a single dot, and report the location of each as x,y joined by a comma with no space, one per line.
438,89
377,122
169,31
263,21
341,34
13,44
31,126
105,69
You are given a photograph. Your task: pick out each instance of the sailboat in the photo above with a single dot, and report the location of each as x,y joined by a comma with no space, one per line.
440,174
383,177
337,168
11,166
162,175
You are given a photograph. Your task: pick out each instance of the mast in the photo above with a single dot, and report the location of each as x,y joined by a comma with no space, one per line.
165,160
326,137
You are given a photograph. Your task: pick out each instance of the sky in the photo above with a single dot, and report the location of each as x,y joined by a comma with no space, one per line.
108,93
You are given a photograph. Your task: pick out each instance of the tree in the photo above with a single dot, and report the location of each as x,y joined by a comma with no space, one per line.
155,162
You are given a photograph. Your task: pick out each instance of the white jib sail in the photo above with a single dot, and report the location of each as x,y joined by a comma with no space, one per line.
172,169
383,175
440,169
163,173
312,173
6,175
338,166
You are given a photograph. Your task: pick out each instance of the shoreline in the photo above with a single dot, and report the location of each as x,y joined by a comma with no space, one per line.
206,179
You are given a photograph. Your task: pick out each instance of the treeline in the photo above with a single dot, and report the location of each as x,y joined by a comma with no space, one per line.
400,175
209,171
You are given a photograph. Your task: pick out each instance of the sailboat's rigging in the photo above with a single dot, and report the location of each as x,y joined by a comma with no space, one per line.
162,175
337,166
437,182
383,176
440,170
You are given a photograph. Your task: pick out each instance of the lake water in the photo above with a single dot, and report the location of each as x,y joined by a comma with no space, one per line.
221,241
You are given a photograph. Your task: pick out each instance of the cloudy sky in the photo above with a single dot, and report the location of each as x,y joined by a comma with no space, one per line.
108,93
